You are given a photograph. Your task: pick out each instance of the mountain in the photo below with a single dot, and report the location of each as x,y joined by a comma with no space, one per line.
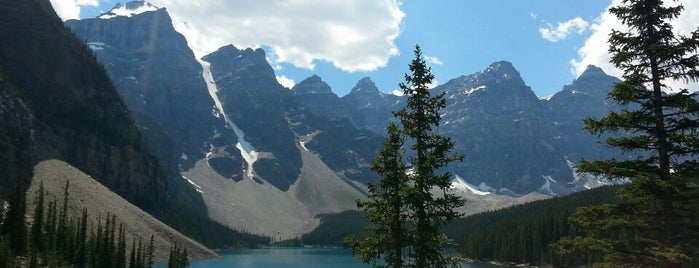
59,103
268,160
154,70
256,103
585,97
317,96
235,134
503,129
76,113
370,108
514,142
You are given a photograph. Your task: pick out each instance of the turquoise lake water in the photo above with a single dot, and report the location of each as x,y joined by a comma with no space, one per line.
288,258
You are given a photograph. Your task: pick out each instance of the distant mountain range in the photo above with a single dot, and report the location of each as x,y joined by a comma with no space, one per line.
514,142
268,159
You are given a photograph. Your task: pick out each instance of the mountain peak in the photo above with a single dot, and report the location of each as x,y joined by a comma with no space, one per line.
129,9
592,71
502,69
592,81
497,73
365,85
312,85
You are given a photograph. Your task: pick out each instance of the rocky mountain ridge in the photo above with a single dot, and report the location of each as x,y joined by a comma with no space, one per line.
57,102
514,142
232,126
245,143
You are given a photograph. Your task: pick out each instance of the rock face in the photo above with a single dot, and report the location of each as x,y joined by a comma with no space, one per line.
228,125
16,123
369,108
585,97
503,129
77,113
514,142
316,95
156,74
58,102
257,104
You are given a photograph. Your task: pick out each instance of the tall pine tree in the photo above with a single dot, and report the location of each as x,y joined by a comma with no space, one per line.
386,209
655,225
404,213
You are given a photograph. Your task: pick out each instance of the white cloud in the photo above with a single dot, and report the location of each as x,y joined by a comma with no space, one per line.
564,29
285,81
595,49
433,60
70,9
434,84
352,35
397,92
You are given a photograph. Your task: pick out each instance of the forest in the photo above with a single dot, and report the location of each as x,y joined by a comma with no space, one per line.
53,238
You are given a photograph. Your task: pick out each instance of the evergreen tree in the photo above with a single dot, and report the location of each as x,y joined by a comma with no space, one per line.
655,224
82,240
62,228
385,209
14,228
408,231
132,256
120,253
36,233
150,254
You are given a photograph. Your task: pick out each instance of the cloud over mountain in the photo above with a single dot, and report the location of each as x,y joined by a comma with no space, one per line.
352,35
70,9
595,49
564,29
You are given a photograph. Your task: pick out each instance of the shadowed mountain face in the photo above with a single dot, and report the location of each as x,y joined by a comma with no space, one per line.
513,141
316,95
257,104
369,108
77,114
503,128
157,75
164,88
58,102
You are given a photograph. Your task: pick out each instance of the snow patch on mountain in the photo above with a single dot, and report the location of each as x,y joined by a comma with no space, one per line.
248,152
459,183
196,186
587,181
546,188
471,90
96,46
128,10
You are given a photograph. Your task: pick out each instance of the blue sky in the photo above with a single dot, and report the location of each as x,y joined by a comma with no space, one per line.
548,41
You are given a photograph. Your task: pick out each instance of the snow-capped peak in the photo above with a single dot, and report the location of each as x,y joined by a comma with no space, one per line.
460,184
129,9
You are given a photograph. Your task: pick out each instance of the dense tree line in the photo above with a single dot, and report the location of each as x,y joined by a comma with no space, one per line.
55,239
177,257
334,228
522,233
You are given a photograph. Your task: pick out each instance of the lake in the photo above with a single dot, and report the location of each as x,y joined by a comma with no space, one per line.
288,258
